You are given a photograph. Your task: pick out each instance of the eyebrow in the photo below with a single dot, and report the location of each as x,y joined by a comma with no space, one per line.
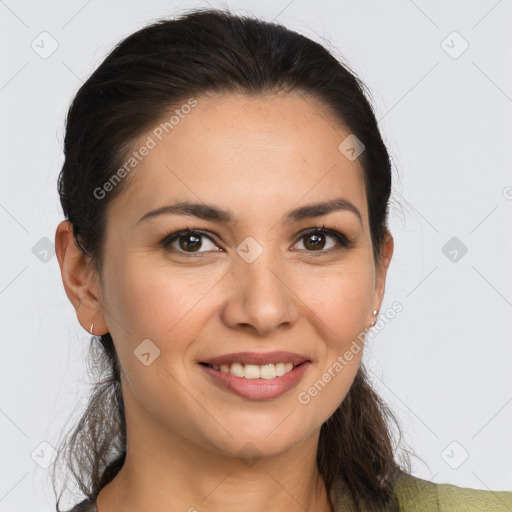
210,212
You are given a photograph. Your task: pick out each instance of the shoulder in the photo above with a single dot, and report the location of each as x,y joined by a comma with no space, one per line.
414,494
84,506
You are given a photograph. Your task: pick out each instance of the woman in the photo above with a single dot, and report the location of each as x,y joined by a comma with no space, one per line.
226,190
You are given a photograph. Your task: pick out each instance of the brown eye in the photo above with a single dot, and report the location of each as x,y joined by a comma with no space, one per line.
317,241
188,241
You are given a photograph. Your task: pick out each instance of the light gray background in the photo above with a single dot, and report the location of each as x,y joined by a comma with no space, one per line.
444,364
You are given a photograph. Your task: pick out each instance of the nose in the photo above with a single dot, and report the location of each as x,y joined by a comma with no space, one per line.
260,298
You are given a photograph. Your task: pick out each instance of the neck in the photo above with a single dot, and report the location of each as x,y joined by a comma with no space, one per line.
250,490
177,475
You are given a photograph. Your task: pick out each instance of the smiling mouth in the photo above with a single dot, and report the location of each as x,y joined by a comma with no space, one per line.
255,371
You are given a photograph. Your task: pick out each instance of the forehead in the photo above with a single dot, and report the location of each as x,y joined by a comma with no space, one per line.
257,153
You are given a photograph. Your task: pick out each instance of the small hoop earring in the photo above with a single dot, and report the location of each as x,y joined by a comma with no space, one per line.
374,313
90,330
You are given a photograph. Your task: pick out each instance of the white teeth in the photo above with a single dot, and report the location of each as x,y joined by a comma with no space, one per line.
251,371
254,371
268,371
280,369
237,370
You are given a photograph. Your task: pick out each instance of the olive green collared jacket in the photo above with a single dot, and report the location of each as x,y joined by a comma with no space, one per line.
411,494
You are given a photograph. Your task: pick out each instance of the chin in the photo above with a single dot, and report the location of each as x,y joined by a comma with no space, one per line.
248,443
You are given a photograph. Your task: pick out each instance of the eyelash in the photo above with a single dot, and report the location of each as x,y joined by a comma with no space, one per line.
342,240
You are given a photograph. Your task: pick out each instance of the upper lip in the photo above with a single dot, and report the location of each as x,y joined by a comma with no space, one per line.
258,358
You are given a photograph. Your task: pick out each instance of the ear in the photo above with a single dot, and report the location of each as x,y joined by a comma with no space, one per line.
382,269
80,280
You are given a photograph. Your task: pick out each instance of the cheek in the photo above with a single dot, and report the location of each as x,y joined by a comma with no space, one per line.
149,300
339,300
338,307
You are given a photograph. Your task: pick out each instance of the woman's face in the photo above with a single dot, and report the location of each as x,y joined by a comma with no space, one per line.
255,283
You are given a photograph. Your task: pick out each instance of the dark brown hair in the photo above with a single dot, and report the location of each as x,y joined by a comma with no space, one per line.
147,74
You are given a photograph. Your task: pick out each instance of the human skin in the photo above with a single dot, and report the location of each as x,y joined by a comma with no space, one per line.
259,157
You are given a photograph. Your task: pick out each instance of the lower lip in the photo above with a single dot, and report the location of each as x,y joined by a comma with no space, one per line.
258,389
